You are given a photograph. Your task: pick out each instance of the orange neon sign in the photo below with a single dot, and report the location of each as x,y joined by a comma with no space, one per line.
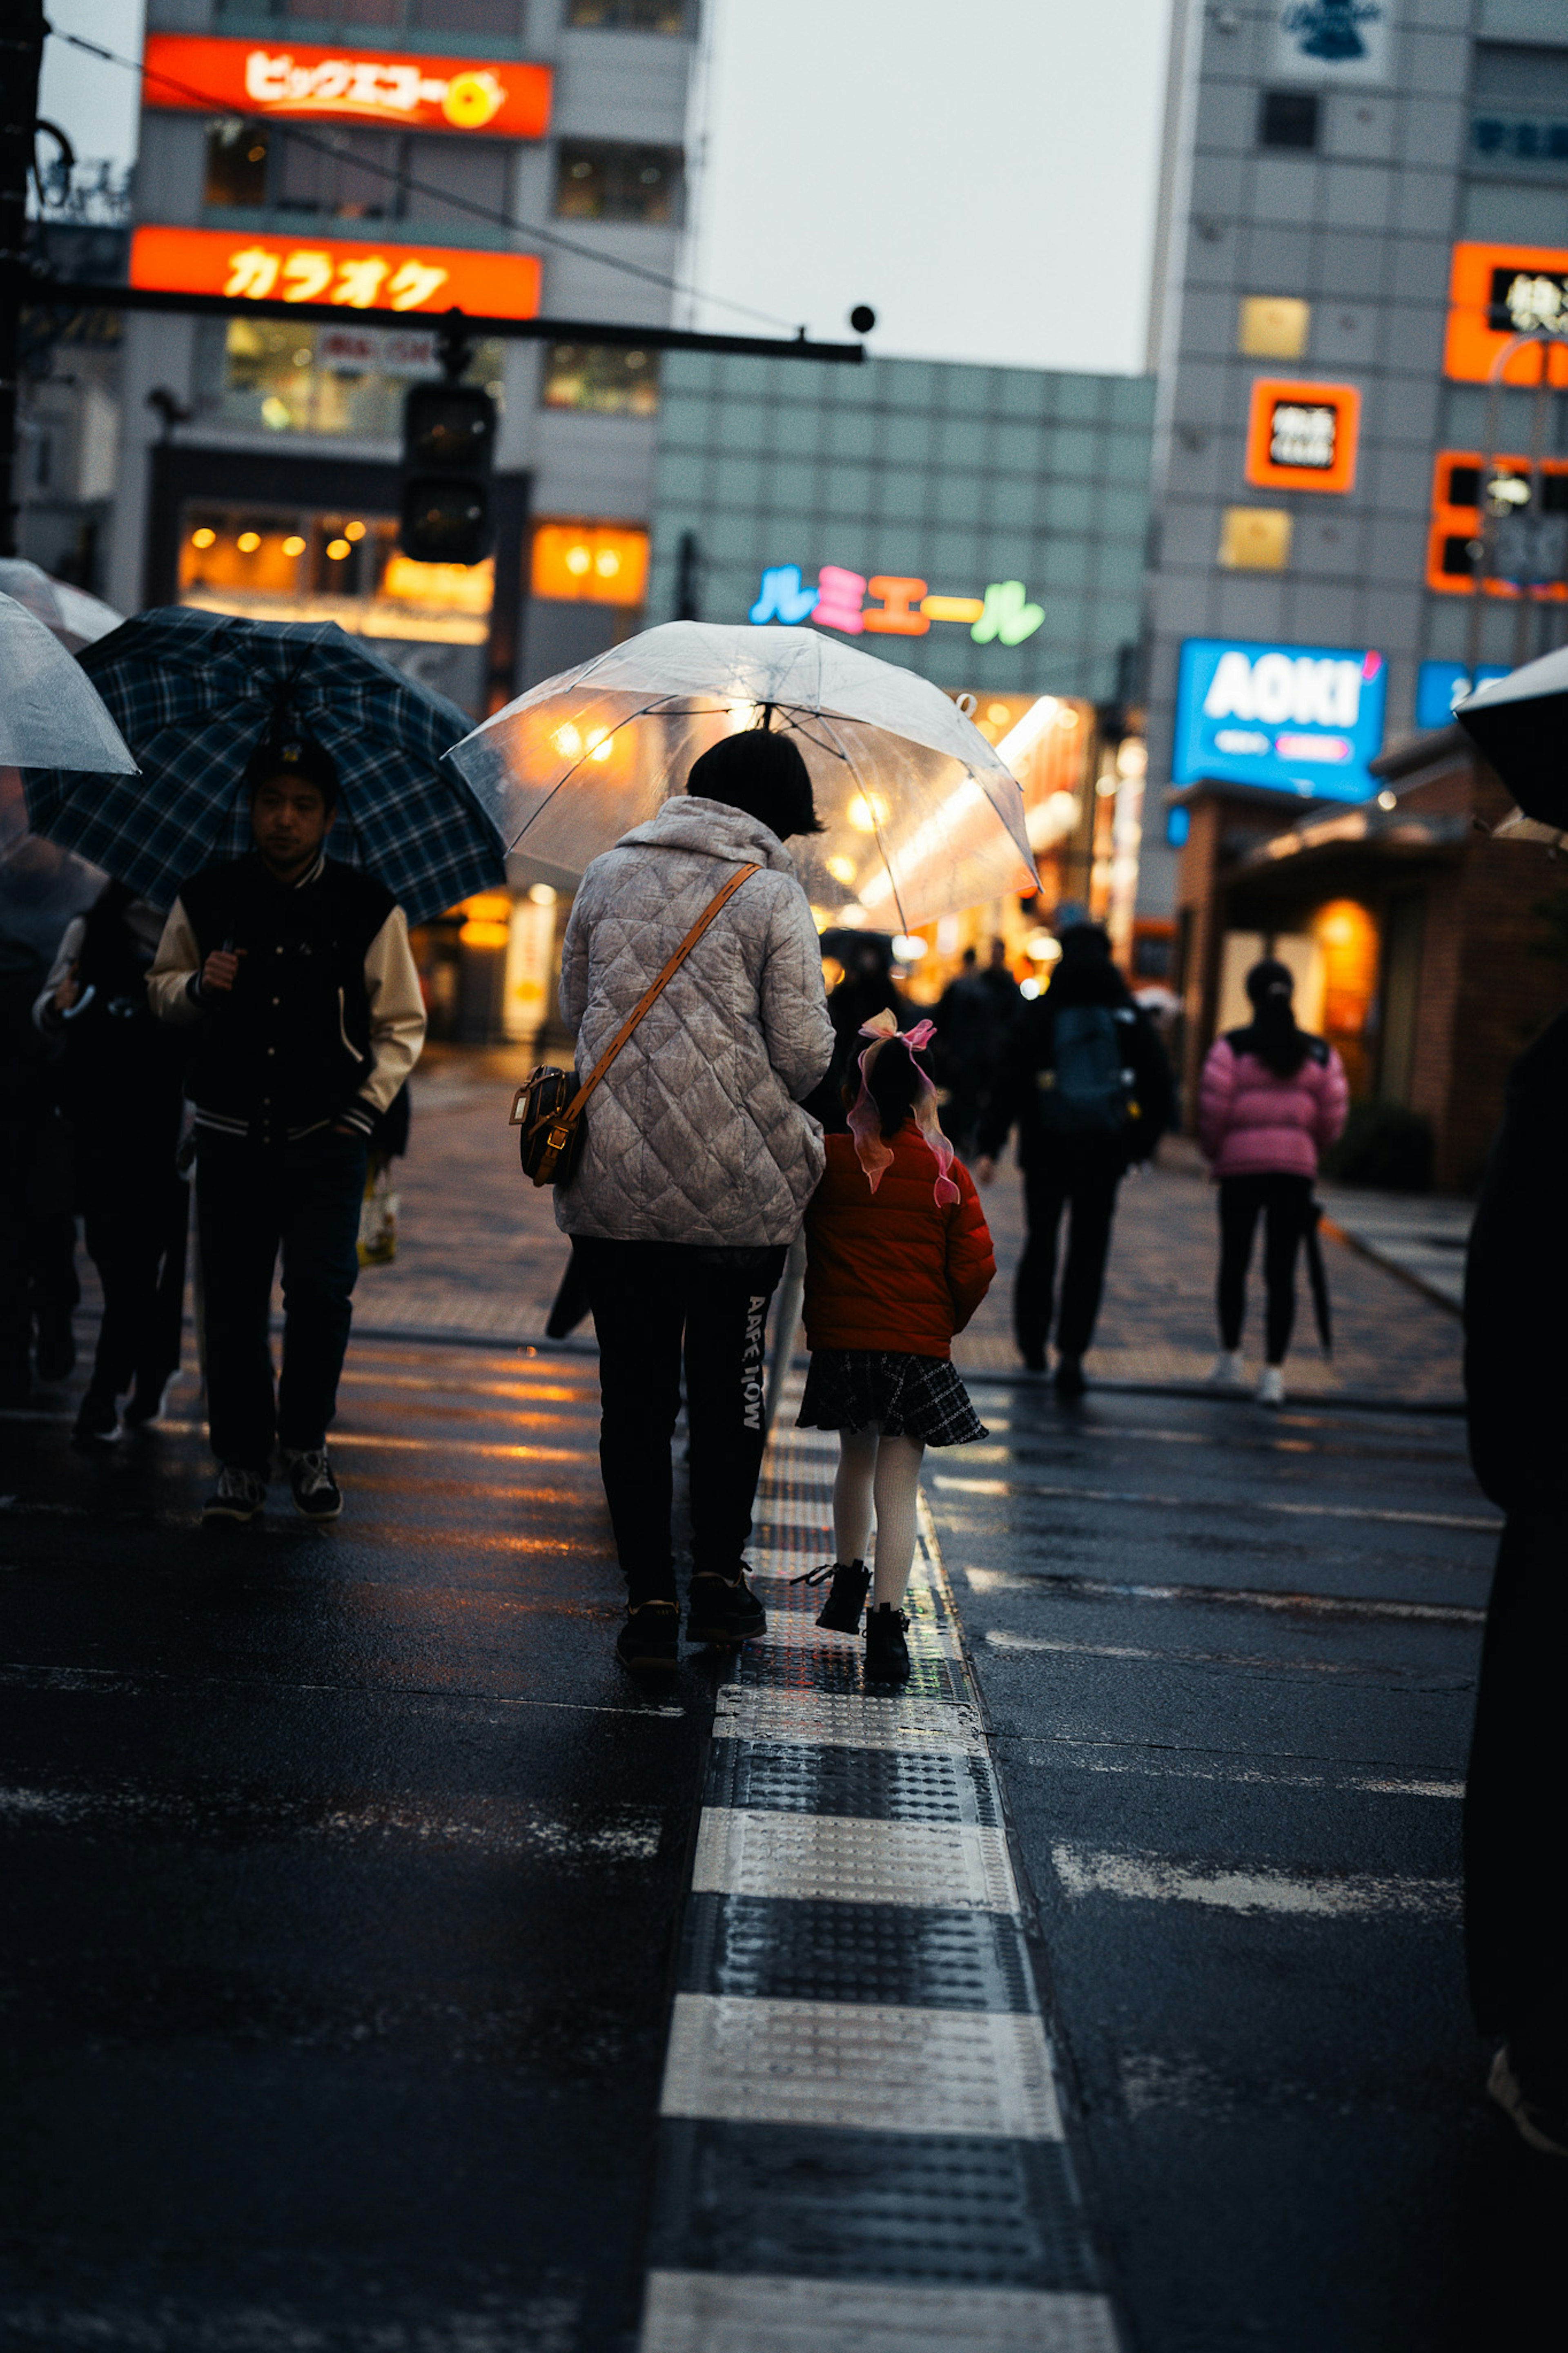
1499,290
361,277
1457,519
1302,437
300,81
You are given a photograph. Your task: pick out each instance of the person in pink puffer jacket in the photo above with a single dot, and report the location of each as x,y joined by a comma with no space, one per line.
1271,1099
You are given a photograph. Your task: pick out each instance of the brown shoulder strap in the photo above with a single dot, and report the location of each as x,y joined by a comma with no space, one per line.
650,995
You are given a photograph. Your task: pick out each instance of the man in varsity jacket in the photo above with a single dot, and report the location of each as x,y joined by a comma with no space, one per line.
295,975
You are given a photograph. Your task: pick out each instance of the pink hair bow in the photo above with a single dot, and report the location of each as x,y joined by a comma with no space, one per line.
865,1120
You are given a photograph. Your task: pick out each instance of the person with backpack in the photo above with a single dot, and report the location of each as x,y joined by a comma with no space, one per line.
123,1090
1272,1097
898,1260
1086,1083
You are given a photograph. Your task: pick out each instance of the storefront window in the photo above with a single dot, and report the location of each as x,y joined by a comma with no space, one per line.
596,564
612,179
601,378
279,377
278,564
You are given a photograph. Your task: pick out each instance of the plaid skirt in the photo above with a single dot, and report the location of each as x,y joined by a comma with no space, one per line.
908,1396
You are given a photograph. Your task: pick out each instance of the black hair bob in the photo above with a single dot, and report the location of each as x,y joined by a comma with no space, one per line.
762,774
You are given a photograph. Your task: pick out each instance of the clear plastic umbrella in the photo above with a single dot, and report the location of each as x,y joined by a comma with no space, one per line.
73,616
922,817
51,712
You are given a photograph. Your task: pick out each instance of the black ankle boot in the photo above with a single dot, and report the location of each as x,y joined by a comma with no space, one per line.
887,1653
840,1613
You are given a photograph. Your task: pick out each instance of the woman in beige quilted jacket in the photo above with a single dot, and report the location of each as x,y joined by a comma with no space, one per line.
697,1164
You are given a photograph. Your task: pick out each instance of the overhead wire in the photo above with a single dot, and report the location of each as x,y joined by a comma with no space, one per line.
405,181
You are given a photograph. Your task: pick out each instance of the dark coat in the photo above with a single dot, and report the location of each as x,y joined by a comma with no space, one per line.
1516,1292
1031,1050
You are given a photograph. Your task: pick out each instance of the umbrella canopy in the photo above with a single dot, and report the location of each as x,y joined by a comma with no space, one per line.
922,817
75,617
197,693
1520,723
50,716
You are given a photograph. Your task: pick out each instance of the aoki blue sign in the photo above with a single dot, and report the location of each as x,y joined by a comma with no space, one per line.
1294,718
1439,685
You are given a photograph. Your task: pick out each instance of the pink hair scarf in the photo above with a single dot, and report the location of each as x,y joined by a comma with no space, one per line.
865,1120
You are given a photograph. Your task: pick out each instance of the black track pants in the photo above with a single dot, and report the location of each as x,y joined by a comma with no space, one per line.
1085,1187
648,1298
1281,1202
1516,1812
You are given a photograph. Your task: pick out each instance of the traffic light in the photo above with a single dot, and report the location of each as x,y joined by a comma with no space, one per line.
448,448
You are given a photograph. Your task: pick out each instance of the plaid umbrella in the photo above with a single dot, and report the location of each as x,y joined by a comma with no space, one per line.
195,693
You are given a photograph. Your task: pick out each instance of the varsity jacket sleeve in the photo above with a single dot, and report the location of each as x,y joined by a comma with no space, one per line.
175,971
396,1021
44,1017
971,1260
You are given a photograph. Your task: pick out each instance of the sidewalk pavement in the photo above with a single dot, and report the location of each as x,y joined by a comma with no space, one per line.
479,1255
1421,1236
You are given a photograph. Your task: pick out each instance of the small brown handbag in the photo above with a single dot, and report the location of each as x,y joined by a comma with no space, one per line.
549,1114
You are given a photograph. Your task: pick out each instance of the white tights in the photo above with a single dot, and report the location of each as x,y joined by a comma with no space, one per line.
887,1471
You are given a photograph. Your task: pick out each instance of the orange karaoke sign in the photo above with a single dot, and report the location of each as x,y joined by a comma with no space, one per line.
361,277
297,82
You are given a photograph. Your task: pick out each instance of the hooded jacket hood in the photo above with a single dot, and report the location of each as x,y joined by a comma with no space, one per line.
712,828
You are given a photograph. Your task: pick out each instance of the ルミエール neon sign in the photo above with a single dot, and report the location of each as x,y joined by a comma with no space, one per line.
902,608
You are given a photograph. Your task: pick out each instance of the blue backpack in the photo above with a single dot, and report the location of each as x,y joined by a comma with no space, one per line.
1090,1090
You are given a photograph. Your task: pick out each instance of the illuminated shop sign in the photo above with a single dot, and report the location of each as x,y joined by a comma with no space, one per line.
299,83
900,607
1302,437
1499,290
337,270
1527,527
1439,685
1294,718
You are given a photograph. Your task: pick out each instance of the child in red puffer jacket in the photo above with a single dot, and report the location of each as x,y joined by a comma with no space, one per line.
898,1260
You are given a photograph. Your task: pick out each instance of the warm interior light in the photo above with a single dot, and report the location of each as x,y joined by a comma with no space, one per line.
567,742
1066,716
541,894
353,530
337,549
1042,947
249,542
866,813
841,869
1387,800
578,559
1033,724
202,538
908,947
294,546
601,743
606,564
998,714
484,936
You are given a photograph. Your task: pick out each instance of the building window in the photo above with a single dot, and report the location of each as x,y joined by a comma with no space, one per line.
1254,539
287,563
1273,327
590,563
629,15
359,175
611,179
282,376
363,20
237,165
601,378
1288,118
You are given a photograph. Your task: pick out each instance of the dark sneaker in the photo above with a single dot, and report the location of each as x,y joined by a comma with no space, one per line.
96,1422
53,1351
316,1491
840,1613
1534,2125
647,1642
723,1610
1070,1380
887,1653
145,1403
239,1496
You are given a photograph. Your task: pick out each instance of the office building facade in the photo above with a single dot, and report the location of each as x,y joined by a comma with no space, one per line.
1362,201
501,156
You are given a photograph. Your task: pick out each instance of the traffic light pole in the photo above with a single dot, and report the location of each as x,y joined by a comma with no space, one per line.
21,56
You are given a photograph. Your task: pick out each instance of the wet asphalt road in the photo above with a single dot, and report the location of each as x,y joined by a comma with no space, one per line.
341,1868
1229,1656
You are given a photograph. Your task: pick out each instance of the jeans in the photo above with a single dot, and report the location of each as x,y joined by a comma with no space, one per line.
1084,1182
646,1296
1516,1807
252,1201
1282,1201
